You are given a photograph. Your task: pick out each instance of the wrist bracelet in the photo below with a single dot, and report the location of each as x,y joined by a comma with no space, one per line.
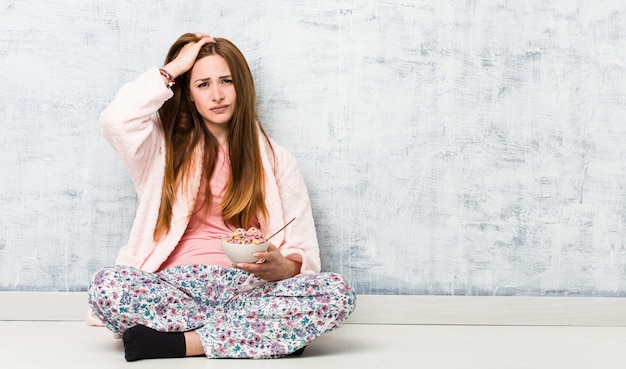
170,80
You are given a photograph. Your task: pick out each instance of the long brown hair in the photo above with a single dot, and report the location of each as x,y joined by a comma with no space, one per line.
184,129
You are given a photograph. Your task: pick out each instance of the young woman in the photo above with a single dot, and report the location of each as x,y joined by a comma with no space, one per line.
203,166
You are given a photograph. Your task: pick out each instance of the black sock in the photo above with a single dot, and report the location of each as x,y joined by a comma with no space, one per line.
298,352
141,342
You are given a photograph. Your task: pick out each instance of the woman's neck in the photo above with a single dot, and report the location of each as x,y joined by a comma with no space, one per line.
220,132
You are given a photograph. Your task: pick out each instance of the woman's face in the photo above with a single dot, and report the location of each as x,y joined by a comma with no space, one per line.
212,90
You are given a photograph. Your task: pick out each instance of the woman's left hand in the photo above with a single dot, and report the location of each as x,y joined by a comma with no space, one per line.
272,266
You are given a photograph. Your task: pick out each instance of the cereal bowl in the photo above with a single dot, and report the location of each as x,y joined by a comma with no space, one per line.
242,252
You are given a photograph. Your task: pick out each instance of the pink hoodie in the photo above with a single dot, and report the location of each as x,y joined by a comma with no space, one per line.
130,125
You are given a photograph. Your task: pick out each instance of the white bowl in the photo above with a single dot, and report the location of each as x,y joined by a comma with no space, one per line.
242,253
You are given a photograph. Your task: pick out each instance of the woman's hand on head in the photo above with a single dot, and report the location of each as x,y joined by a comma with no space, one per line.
273,266
187,56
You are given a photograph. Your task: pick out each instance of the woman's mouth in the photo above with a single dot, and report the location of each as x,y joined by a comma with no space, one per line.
219,109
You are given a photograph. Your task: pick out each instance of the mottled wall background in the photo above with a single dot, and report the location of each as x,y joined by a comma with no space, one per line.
450,147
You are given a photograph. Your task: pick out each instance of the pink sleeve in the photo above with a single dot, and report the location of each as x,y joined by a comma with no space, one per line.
300,238
130,125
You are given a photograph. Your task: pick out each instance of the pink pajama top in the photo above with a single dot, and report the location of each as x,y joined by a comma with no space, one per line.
200,244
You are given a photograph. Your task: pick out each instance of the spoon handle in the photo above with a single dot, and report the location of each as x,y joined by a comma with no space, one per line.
288,223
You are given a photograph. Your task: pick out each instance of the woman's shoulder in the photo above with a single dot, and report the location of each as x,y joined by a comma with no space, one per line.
280,152
277,158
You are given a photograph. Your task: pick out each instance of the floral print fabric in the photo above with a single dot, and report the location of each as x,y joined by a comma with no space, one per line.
236,314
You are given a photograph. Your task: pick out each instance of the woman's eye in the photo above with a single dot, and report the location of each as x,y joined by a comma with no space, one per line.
203,84
227,81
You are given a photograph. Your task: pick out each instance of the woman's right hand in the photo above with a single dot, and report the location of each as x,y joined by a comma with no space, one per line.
187,56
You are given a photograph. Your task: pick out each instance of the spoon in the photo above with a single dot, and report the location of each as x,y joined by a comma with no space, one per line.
288,223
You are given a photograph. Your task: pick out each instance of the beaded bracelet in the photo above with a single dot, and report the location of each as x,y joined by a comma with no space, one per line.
170,80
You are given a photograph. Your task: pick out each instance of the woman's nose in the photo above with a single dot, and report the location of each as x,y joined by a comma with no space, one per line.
216,93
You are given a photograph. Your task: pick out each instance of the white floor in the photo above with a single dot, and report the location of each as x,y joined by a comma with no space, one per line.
72,344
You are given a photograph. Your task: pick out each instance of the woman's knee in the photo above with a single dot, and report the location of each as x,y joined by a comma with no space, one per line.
342,292
341,283
106,278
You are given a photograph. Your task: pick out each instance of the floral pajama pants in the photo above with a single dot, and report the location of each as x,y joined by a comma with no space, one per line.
236,314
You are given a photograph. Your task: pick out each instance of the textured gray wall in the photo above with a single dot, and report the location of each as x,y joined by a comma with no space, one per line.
450,147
